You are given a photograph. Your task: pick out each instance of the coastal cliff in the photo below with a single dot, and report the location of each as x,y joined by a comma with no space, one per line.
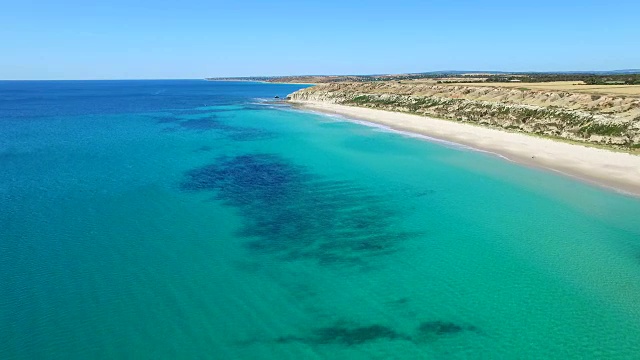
610,120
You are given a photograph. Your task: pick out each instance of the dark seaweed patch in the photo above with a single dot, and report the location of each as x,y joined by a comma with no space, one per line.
290,213
358,335
181,112
165,120
238,133
202,124
204,148
344,335
439,328
248,134
400,301
424,193
430,330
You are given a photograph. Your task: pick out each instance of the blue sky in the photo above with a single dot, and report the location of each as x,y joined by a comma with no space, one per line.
73,39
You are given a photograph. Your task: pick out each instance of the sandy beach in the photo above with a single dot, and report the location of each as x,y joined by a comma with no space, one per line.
615,170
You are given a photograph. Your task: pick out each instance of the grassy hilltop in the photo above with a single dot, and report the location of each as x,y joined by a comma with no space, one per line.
594,109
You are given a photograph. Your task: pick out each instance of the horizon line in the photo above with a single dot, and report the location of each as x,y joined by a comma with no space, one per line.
630,70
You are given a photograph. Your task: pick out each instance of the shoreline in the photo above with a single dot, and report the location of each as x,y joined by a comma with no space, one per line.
609,169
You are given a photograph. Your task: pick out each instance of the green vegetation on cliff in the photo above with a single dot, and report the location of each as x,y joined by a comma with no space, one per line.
600,119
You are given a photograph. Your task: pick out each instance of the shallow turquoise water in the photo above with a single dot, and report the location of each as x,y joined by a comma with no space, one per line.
186,219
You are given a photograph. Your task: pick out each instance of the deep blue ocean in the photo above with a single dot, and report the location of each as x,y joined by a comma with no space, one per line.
193,219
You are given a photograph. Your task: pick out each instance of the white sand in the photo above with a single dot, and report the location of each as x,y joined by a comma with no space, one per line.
617,170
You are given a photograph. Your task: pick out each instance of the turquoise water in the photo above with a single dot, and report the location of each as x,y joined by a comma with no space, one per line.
190,219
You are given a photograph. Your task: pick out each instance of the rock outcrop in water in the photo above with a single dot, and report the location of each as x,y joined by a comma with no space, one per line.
598,119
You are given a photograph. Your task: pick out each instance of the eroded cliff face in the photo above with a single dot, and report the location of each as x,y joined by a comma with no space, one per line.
600,119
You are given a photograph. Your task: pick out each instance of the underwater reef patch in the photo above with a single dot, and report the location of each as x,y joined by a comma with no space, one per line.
204,148
213,123
295,215
343,333
203,111
431,330
165,119
237,133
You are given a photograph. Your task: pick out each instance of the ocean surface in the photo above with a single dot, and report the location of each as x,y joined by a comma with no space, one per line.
193,219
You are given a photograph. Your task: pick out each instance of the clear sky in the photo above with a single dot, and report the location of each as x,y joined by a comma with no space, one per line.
118,39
